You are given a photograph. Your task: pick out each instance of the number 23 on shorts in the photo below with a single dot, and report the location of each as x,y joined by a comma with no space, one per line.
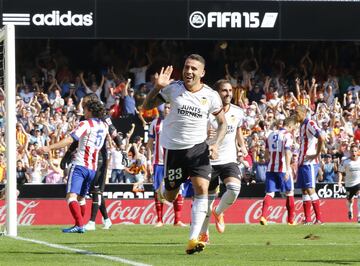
173,174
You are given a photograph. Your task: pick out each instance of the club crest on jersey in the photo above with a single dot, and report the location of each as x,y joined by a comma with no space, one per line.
203,101
172,184
232,119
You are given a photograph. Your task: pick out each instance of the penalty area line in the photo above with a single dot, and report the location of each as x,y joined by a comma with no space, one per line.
81,251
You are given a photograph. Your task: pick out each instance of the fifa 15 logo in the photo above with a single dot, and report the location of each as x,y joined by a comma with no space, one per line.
198,20
55,18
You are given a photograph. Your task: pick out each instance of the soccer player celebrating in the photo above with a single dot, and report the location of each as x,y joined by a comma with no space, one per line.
351,169
225,166
155,152
279,173
91,134
311,143
184,135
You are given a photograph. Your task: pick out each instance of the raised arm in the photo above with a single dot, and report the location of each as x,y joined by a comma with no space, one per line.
102,81
297,86
124,91
162,79
81,75
313,92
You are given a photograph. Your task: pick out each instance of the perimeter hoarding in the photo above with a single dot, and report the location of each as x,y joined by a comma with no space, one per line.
183,19
142,211
124,191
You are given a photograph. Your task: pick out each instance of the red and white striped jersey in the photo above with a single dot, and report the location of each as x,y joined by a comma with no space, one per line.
154,133
277,143
309,133
91,135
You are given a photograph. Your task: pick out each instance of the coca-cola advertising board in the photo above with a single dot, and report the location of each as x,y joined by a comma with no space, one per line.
142,211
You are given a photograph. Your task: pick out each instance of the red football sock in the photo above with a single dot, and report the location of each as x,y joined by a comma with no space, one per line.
178,204
266,203
83,210
76,212
290,206
316,206
307,210
159,208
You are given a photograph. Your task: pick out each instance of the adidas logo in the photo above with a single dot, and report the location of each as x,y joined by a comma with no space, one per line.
55,18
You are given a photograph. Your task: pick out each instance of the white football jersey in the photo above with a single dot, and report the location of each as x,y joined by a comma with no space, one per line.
227,149
91,135
352,172
186,124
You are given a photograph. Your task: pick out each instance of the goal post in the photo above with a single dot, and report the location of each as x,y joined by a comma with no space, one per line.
7,36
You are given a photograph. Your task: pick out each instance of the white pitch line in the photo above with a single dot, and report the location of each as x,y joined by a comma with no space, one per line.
81,251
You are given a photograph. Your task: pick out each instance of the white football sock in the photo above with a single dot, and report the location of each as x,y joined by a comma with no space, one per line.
205,226
198,214
229,197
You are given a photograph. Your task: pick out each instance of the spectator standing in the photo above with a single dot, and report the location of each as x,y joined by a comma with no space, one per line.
55,173
116,163
135,173
329,169
94,87
22,176
140,71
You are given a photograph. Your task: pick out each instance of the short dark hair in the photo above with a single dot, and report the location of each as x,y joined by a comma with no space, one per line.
218,84
197,57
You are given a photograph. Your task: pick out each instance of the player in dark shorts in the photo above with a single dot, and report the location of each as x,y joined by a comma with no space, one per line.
185,131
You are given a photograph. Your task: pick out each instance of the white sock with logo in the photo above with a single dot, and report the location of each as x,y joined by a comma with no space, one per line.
198,214
229,197
205,226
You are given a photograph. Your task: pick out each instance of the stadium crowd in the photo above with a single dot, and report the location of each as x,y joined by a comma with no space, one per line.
268,79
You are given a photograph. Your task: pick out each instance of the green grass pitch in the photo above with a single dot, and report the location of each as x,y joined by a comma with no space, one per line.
241,244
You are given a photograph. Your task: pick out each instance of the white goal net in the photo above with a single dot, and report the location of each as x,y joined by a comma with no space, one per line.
8,85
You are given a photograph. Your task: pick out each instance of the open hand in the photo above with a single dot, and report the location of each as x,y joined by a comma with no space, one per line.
162,79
